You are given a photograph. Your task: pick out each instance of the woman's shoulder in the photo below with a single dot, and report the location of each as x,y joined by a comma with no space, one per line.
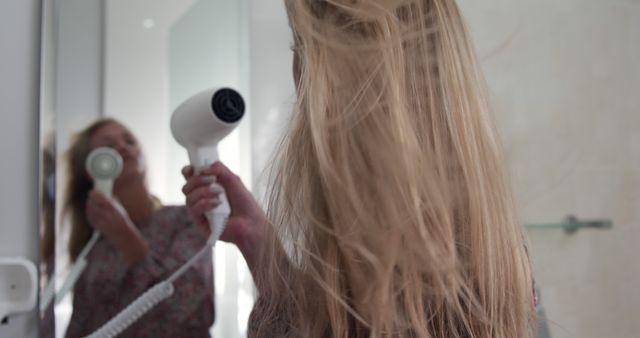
169,220
174,220
176,215
179,210
171,226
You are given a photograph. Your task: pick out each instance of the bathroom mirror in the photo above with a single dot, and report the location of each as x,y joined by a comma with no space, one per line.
135,61
563,77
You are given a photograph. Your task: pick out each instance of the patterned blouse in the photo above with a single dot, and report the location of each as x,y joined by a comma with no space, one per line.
108,284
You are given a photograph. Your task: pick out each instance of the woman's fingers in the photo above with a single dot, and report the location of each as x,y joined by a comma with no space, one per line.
187,172
205,205
95,207
240,198
98,196
99,200
225,177
198,211
96,216
197,181
201,193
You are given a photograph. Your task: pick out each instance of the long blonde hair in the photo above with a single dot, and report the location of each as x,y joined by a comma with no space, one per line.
391,196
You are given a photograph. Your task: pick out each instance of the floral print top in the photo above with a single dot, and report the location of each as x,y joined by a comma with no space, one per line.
109,284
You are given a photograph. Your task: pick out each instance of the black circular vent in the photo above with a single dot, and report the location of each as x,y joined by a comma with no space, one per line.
228,105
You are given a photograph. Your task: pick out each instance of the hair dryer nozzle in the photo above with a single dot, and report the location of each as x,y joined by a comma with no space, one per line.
104,165
207,117
227,105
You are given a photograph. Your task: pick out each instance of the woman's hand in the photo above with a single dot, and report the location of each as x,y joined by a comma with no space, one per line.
108,216
247,222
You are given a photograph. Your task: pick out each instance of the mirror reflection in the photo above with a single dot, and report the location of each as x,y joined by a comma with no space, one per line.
142,241
118,69
559,78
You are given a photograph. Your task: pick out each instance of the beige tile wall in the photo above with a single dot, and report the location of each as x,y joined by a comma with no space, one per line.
565,76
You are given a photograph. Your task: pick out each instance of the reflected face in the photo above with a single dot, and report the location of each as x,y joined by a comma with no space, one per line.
119,138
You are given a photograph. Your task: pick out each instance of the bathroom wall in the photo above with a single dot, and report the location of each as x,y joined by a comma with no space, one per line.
137,84
73,91
19,148
79,71
272,88
564,76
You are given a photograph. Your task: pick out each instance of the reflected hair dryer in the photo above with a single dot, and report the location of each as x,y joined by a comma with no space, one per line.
104,165
198,124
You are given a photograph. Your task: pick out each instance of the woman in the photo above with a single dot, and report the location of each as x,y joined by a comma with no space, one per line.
391,213
142,243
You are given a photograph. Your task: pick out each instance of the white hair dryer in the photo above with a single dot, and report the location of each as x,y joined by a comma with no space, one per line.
198,124
104,165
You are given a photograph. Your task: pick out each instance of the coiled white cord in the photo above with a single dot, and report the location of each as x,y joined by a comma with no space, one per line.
134,311
74,273
160,291
47,295
78,268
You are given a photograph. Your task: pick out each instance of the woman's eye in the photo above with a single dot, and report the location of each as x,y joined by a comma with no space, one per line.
130,140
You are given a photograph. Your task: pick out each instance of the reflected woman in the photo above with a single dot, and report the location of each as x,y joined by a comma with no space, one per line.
142,243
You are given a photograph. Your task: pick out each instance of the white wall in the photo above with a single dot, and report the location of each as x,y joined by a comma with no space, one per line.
137,83
77,100
76,93
79,79
272,88
19,94
565,78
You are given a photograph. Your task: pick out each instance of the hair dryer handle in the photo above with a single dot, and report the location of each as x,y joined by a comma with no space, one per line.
202,158
104,185
218,217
